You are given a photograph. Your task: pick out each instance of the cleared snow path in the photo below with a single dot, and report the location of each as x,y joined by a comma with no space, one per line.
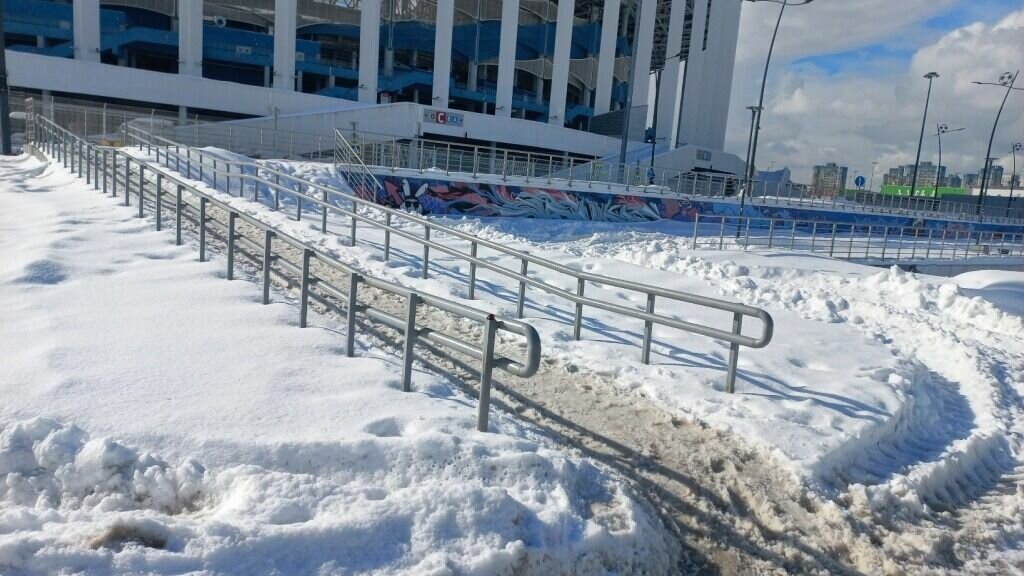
946,473
157,419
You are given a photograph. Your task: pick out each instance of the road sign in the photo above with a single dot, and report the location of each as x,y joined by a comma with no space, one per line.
860,181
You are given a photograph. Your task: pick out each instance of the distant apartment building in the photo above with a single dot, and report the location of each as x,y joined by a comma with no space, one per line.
927,174
829,179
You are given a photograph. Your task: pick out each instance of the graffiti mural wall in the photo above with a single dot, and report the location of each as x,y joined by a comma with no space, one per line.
447,197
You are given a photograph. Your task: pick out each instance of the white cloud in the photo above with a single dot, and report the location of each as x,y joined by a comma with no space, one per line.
857,118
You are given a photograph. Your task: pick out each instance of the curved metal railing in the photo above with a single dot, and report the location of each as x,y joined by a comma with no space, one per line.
222,173
113,172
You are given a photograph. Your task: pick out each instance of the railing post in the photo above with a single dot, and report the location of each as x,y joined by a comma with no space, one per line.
734,354
350,337
88,166
127,179
307,254
177,215
231,244
426,251
771,232
268,260
105,170
410,341
577,324
323,214
159,192
142,187
472,270
387,236
202,229
832,245
298,203
352,224
486,372
648,330
885,241
696,227
522,289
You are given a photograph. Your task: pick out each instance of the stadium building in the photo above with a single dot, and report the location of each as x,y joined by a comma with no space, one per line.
520,74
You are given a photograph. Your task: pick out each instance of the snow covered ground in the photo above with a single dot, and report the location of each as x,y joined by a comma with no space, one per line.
157,419
894,396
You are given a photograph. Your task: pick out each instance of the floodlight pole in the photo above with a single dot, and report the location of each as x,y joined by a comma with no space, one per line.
920,139
1007,81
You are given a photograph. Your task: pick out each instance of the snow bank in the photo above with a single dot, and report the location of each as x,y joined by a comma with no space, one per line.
156,419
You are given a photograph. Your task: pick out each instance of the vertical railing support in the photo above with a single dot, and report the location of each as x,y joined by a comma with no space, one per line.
202,229
177,214
472,270
387,236
232,216
734,354
426,252
486,373
350,314
648,331
159,193
520,302
268,261
307,255
577,323
410,340
142,187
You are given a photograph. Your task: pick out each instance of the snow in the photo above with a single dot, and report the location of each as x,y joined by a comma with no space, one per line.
894,396
157,419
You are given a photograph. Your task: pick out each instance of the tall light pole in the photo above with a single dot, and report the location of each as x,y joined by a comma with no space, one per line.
1006,80
920,140
941,129
1016,147
752,157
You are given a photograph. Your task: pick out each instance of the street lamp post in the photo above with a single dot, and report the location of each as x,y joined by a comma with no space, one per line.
1016,147
754,112
752,157
941,129
1006,80
920,140
871,185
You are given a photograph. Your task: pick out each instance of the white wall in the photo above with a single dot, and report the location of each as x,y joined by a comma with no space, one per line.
405,120
108,81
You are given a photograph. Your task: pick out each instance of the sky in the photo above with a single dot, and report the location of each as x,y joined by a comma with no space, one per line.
846,82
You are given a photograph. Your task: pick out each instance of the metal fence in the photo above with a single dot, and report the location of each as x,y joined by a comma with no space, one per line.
260,180
151,187
861,242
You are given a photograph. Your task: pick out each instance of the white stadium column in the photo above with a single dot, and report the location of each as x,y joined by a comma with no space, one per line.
443,51
86,28
606,57
369,48
284,44
689,116
190,37
560,65
507,57
641,87
721,57
669,92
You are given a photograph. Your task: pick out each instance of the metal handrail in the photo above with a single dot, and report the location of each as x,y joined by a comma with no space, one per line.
219,171
852,241
99,164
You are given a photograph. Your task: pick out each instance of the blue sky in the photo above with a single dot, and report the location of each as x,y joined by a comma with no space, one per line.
895,52
845,84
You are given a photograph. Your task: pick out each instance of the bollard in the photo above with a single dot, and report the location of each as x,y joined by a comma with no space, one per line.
268,260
